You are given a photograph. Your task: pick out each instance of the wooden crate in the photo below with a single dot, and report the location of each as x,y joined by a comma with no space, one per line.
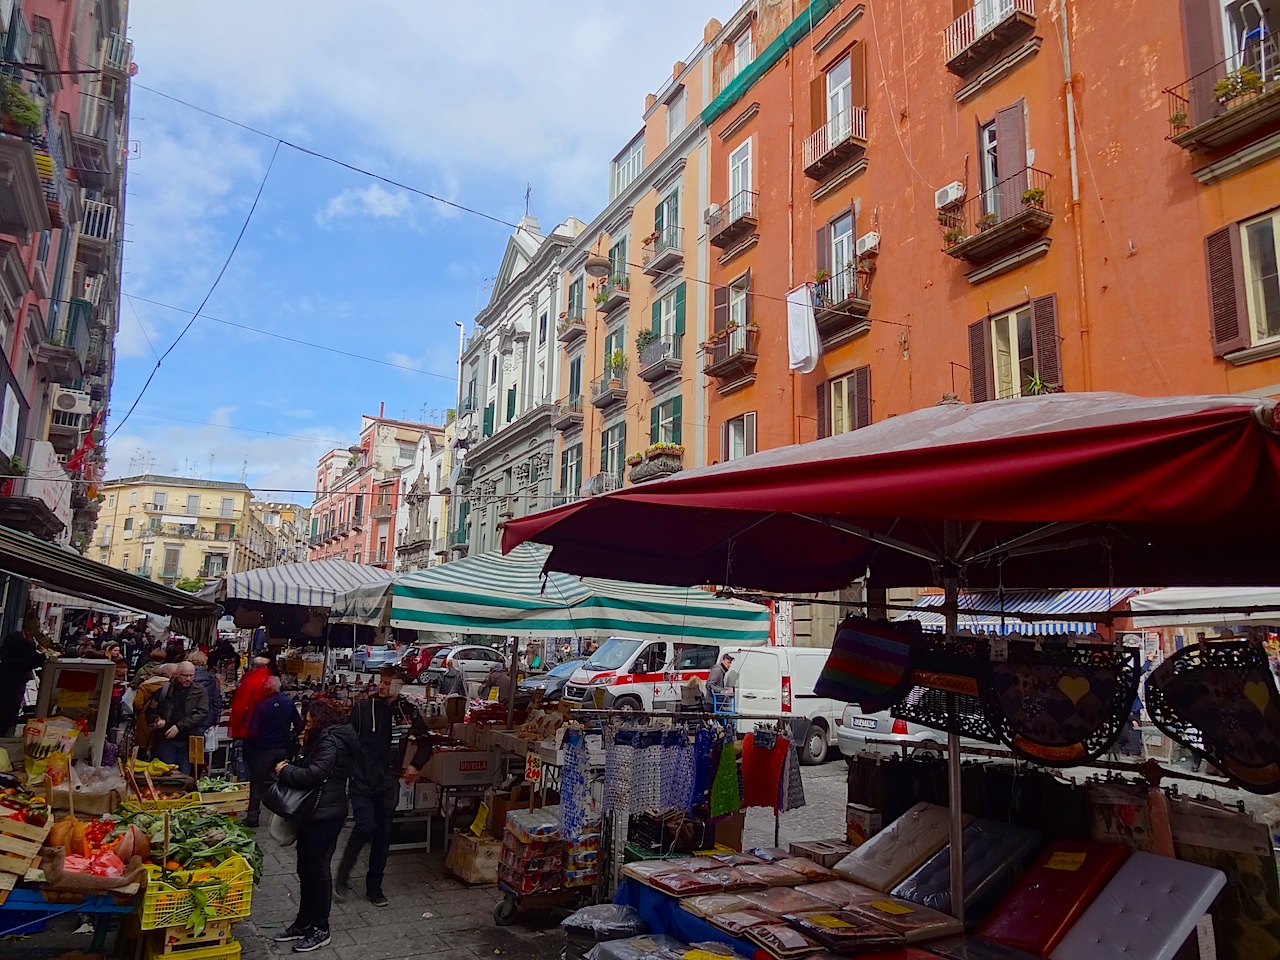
229,802
179,940
20,845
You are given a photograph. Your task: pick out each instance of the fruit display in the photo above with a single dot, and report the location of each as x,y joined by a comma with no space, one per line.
18,804
198,838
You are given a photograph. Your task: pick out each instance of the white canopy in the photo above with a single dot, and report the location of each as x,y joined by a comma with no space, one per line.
313,584
1229,605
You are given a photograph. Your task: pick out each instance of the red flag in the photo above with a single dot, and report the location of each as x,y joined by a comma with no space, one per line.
76,460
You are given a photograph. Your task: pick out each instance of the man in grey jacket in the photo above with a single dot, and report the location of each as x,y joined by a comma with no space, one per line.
179,712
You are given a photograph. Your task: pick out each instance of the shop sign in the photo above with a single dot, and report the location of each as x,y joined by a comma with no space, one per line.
46,480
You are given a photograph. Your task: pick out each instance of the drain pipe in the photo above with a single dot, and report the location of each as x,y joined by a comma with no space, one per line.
1077,224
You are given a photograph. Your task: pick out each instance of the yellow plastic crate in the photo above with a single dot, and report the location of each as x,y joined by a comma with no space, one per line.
159,806
222,951
169,900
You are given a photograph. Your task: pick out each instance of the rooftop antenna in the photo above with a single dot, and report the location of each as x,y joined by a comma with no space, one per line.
244,470
528,194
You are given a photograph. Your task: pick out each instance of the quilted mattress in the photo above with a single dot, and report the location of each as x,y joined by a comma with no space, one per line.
899,849
1052,894
1146,912
994,854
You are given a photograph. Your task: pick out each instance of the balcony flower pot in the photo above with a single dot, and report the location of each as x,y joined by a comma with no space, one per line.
1237,86
645,337
987,221
952,236
821,275
635,458
1179,120
1033,198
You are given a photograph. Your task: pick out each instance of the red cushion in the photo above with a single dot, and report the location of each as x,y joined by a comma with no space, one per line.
1053,893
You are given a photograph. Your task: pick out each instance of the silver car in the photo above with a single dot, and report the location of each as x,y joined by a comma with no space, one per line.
475,662
883,733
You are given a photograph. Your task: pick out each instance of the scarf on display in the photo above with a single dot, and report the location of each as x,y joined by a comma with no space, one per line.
726,795
764,757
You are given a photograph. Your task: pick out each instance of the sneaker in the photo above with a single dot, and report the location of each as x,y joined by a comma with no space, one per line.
378,900
291,932
314,940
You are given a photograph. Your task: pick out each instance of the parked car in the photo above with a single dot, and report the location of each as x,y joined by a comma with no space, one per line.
418,659
857,728
365,659
779,681
551,683
475,662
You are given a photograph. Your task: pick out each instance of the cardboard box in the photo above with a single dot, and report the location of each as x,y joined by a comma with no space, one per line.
502,802
463,768
87,804
822,852
417,796
861,823
729,830
473,859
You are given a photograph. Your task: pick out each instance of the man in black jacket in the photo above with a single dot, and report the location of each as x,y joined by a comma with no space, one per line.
179,712
374,784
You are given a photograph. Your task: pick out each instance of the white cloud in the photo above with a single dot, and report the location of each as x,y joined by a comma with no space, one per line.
372,201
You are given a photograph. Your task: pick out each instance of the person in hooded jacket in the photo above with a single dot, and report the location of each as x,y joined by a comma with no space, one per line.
329,753
374,785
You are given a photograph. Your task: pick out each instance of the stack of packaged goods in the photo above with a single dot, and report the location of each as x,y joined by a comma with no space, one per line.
582,859
532,852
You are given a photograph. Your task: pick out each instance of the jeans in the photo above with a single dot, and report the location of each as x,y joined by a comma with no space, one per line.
171,751
317,839
372,826
262,770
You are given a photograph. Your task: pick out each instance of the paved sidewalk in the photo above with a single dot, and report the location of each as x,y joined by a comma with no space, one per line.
430,914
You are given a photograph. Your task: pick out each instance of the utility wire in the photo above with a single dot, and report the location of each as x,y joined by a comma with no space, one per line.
216,280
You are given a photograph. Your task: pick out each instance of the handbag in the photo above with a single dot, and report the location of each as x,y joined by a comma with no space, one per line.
292,803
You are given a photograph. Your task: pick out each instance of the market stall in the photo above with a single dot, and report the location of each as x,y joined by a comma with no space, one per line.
1037,492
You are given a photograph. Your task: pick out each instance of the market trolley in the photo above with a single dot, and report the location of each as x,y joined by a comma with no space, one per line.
514,902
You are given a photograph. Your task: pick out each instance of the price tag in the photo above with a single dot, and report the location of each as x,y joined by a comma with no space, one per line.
830,922
533,768
482,818
1066,861
891,908
195,750
702,955
493,694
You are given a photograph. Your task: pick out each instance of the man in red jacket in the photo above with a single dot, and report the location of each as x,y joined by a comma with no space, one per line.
252,688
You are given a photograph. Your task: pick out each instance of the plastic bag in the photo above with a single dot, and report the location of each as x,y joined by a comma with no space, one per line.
44,739
606,921
638,948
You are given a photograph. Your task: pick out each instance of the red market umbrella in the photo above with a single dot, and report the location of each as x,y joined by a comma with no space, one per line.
1055,491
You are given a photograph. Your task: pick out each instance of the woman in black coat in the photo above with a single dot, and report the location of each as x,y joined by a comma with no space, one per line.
329,749
19,657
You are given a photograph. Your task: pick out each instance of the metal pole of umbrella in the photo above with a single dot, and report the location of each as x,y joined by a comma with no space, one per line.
951,590
511,675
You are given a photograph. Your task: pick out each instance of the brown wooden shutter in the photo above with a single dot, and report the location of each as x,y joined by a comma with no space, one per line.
1202,40
720,309
746,303
1228,313
1044,322
858,75
818,101
981,386
749,434
824,415
824,247
1011,157
861,397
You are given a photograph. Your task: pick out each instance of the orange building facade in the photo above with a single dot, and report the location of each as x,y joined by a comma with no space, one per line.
966,221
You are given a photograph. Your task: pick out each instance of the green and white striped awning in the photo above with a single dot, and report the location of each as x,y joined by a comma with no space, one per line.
509,596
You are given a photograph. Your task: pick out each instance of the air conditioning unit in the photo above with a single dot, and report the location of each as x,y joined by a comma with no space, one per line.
710,213
868,244
70,401
949,195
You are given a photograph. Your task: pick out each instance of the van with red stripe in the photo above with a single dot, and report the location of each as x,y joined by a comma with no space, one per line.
636,674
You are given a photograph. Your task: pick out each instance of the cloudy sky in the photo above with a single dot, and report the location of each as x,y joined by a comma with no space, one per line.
469,102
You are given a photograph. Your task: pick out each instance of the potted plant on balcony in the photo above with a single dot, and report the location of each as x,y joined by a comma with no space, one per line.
1033,198
988,220
634,458
21,114
1178,120
821,275
616,362
1236,86
644,338
602,295
952,236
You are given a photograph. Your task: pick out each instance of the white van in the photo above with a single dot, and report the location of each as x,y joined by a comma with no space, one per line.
779,681
636,673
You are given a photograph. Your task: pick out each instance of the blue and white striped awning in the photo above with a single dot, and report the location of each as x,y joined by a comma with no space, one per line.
1043,602
313,584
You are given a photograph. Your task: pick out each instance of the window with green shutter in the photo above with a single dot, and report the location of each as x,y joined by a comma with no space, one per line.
575,377
511,403
664,421
679,310
488,420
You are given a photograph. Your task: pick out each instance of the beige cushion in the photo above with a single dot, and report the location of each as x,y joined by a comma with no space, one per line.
899,849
